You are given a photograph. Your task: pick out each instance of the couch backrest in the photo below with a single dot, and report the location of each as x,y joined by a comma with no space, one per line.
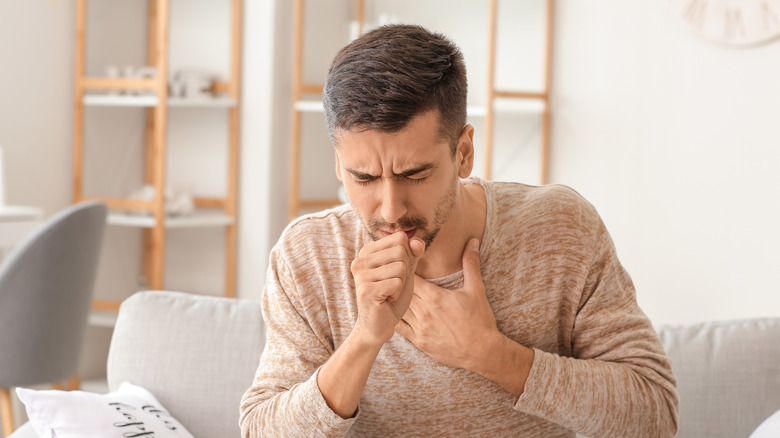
728,375
197,354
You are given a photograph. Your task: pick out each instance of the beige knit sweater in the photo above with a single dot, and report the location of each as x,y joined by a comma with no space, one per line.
555,284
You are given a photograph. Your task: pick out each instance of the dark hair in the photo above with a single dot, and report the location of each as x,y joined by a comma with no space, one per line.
392,74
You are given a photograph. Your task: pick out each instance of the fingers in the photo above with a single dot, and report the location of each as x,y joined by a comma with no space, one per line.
395,239
388,289
405,330
381,261
393,269
406,324
385,267
472,276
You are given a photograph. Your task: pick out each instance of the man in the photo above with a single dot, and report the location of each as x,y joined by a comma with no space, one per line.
437,305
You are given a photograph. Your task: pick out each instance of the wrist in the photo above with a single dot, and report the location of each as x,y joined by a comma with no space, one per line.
365,339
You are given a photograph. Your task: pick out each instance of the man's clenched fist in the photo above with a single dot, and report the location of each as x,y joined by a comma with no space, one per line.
384,279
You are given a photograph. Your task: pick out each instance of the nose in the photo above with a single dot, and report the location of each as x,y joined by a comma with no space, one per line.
393,205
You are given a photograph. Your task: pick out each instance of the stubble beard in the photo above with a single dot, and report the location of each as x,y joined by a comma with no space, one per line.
441,214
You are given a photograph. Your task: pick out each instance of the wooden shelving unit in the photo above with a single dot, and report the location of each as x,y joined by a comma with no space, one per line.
497,101
211,212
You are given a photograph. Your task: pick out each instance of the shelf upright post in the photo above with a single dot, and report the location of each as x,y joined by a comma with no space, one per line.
78,103
545,178
157,269
299,88
361,16
491,90
295,121
231,207
151,59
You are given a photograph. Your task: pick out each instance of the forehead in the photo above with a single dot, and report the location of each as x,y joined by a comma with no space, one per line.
419,142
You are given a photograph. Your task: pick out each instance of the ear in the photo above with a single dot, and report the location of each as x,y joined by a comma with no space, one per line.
338,166
464,153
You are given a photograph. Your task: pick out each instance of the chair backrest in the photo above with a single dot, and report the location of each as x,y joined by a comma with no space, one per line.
197,354
46,286
728,375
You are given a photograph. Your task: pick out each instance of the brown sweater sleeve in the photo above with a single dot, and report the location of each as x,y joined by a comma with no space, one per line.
288,402
618,382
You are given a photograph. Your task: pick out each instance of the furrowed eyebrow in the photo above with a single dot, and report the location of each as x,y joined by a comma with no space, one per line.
360,175
415,171
404,174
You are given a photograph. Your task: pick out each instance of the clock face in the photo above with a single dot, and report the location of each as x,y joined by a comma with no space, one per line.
731,22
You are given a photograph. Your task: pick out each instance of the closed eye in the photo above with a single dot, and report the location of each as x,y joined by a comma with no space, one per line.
362,182
416,180
414,176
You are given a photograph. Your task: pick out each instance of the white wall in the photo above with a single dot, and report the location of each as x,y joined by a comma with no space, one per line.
676,142
673,139
669,136
36,94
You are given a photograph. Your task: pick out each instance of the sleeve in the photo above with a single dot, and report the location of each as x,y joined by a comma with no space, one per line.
619,381
285,399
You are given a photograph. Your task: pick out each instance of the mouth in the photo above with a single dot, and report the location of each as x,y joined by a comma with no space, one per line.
409,233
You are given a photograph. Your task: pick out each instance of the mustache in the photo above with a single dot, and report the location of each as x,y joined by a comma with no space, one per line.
403,223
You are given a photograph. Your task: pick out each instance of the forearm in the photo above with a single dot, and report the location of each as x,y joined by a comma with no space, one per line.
298,411
600,399
343,378
503,361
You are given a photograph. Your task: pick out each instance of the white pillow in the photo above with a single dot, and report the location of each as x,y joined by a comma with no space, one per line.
130,412
770,428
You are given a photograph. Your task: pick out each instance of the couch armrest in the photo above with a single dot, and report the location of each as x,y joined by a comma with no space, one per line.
197,354
728,375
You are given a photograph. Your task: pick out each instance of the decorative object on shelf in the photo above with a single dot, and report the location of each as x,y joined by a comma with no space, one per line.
193,83
113,72
176,204
738,24
131,72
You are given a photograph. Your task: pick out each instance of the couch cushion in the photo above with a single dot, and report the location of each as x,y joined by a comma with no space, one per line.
197,354
131,411
728,375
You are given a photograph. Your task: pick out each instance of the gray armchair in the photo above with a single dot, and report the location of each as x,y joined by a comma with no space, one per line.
46,287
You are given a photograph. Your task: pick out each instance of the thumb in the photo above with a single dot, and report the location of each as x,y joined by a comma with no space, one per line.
418,248
472,275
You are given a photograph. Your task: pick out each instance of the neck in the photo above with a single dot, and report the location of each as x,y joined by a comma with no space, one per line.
445,254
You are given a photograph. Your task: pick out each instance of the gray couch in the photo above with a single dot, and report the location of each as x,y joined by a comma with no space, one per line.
198,354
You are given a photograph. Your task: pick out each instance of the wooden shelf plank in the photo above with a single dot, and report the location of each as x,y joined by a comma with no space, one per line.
119,100
119,84
201,218
151,101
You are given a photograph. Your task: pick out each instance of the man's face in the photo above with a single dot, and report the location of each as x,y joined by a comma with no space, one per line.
404,181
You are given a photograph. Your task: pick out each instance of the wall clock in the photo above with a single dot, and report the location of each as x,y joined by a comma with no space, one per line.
731,22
